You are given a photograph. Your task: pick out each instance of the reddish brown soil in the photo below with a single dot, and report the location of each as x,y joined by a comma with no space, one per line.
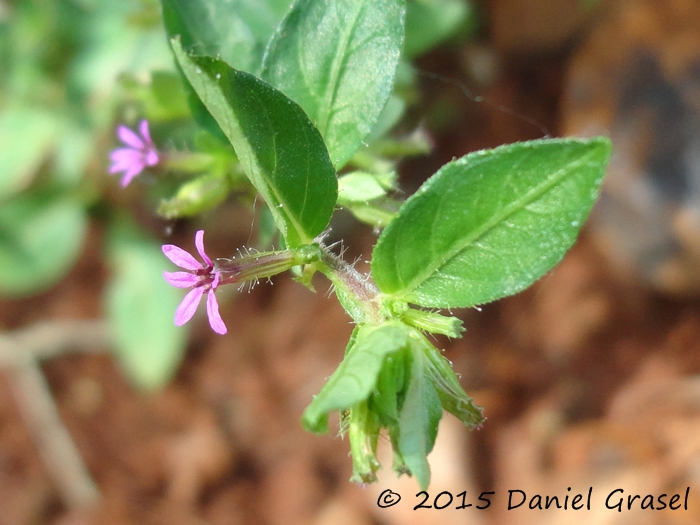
587,381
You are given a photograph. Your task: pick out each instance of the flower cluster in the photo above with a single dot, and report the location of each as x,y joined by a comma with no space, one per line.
139,153
201,277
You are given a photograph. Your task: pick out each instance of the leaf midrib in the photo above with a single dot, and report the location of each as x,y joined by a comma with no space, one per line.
339,60
232,122
284,210
489,225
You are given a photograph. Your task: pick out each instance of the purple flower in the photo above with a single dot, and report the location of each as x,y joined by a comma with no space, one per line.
139,153
201,277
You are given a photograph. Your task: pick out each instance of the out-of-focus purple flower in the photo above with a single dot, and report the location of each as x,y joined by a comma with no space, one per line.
139,153
201,277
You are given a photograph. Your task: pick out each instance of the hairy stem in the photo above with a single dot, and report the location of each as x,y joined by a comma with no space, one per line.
355,291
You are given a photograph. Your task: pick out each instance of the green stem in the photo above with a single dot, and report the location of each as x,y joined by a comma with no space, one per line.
356,292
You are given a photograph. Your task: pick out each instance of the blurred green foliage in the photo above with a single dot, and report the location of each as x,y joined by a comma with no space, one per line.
62,64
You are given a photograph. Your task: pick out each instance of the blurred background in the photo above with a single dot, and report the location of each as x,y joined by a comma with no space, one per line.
110,415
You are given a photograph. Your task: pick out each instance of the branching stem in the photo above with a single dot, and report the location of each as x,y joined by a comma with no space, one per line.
20,354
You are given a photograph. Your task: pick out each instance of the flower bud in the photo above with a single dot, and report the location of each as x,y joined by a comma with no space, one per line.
195,196
431,322
363,435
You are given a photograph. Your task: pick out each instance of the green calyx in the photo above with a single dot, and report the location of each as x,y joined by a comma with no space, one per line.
254,265
425,321
392,377
363,431
196,196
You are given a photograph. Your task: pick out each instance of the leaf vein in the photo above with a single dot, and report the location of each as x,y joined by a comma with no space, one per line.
518,204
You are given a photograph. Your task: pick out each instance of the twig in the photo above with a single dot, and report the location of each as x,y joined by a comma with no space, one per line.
52,338
56,447
20,354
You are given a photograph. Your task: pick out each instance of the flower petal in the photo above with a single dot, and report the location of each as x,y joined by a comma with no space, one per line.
181,279
152,157
215,321
199,243
188,306
181,258
125,159
143,129
130,174
130,138
122,154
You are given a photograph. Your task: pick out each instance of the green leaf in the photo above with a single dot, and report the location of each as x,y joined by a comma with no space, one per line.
26,137
419,418
390,388
279,149
211,28
359,186
429,22
452,397
390,116
236,31
75,148
263,16
201,114
338,59
140,306
41,236
491,223
166,98
355,378
114,42
374,215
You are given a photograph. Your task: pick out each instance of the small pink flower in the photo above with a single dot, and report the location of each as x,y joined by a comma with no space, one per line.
139,153
201,277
